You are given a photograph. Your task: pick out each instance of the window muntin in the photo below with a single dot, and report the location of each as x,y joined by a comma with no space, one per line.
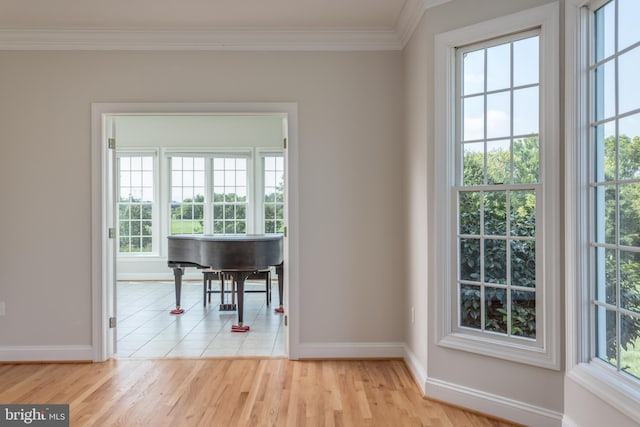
273,201
135,203
615,185
230,202
498,186
187,195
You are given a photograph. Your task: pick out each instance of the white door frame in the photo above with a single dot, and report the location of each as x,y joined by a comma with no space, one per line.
102,256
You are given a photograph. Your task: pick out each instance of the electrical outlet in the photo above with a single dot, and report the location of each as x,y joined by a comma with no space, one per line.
1,308
413,315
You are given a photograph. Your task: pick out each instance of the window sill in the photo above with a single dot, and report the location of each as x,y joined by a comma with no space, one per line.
500,349
608,385
137,257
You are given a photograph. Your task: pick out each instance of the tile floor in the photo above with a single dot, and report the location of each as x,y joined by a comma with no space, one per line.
145,328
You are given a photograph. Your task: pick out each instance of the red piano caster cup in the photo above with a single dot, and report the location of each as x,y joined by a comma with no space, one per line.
279,310
240,328
177,310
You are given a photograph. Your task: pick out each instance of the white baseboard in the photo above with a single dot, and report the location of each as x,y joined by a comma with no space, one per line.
568,422
42,353
415,367
491,404
351,350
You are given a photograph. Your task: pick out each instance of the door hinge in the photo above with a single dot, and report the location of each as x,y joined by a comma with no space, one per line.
285,143
111,143
285,232
286,320
112,322
112,233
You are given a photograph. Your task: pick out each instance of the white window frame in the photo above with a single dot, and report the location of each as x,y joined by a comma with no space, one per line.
155,211
618,390
259,187
545,352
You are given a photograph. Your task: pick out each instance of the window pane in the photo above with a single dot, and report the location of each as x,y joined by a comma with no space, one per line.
525,111
198,163
498,115
630,280
523,213
495,213
629,146
606,275
470,259
473,118
606,335
473,164
605,94
469,209
630,352
628,29
605,159
473,66
606,212
605,31
495,261
630,214
526,67
499,162
124,245
470,306
629,89
496,309
499,67
526,160
523,263
523,314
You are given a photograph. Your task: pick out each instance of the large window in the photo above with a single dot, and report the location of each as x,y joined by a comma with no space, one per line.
135,203
499,163
209,194
615,184
496,205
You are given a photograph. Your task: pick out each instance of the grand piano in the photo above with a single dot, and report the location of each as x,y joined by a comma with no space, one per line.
238,255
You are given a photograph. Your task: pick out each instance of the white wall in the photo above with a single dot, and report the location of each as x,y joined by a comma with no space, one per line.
532,395
350,179
199,131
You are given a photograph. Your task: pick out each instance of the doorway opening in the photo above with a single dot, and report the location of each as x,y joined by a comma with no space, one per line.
162,177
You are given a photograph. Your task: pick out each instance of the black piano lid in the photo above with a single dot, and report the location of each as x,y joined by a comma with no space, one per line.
227,237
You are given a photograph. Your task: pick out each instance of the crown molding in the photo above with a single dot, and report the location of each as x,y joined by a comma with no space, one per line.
237,39
229,39
411,15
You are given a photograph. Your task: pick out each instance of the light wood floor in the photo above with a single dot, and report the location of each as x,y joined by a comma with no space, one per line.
233,392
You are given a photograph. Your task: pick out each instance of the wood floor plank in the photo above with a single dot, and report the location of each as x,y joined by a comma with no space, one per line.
234,392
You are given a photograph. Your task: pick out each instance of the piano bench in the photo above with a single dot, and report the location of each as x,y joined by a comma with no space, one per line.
208,275
266,276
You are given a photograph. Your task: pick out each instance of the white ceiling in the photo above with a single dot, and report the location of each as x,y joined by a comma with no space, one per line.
199,14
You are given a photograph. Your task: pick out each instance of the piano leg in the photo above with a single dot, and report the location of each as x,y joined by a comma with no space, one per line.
239,277
279,272
177,274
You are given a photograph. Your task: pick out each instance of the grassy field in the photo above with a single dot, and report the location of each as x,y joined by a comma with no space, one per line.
186,226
